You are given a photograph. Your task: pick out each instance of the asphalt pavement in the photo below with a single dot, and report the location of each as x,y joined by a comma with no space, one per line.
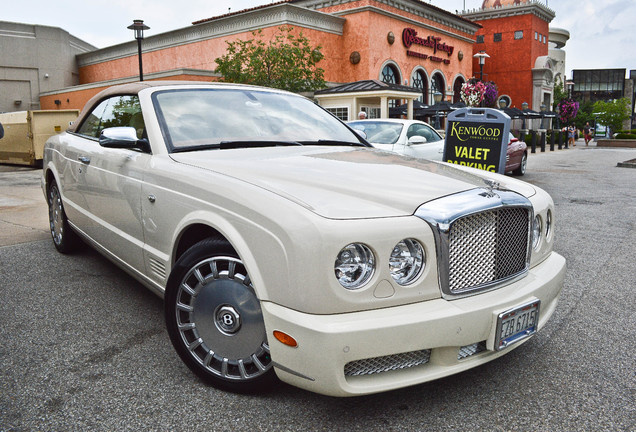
84,346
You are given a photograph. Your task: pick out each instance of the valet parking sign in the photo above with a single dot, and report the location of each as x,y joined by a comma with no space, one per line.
477,138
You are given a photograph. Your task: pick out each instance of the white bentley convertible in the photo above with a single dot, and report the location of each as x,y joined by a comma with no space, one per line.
284,246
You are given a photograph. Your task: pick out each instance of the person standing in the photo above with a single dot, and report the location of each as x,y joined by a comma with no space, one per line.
587,132
571,135
362,115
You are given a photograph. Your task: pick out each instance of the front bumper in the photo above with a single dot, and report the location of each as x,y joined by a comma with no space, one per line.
327,343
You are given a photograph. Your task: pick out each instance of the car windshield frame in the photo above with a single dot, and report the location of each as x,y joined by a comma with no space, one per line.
195,119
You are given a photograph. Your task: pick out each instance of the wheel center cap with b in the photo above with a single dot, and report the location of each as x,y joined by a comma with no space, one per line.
227,319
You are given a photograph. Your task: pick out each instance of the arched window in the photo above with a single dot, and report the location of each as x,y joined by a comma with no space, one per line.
457,89
437,86
419,81
390,75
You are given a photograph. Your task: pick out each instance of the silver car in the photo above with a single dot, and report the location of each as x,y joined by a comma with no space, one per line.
408,137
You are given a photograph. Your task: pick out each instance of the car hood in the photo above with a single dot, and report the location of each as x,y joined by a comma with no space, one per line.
346,183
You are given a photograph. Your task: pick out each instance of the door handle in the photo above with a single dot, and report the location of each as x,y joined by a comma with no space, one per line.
84,159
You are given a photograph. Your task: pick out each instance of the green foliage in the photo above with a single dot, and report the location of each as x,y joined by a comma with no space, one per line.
559,93
613,113
625,136
285,62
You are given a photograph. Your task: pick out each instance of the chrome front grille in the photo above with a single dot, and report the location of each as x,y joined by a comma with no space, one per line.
388,363
482,238
487,247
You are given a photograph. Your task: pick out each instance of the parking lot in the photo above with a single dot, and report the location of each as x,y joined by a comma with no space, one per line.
84,346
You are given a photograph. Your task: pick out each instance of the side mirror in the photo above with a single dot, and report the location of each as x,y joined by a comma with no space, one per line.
417,139
361,133
123,138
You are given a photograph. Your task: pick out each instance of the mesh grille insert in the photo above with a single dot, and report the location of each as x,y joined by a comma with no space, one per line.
387,363
487,247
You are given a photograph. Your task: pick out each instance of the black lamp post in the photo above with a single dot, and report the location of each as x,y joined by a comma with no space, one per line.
437,97
482,56
138,27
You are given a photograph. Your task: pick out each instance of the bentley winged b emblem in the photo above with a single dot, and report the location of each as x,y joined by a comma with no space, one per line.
492,185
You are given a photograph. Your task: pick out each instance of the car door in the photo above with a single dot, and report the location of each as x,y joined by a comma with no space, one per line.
110,182
423,142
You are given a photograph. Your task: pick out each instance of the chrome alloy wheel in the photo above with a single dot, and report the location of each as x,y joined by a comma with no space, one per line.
56,215
219,320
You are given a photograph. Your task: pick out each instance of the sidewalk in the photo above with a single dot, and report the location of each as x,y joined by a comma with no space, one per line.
23,211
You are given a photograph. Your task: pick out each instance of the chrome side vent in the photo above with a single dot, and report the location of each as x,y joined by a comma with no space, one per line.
157,268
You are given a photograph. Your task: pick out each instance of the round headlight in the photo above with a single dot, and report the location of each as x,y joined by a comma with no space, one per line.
354,265
407,261
536,232
548,224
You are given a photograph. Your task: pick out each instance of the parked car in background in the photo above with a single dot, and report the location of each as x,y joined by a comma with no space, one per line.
408,137
418,139
285,246
516,156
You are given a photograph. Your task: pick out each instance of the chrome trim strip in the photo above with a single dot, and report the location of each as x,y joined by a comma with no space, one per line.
441,213
288,370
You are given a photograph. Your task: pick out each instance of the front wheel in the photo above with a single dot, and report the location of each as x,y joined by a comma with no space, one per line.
214,319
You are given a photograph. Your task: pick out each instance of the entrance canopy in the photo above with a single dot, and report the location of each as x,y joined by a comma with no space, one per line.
367,93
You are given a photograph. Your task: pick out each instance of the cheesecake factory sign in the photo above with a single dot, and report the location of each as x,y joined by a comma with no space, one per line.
410,38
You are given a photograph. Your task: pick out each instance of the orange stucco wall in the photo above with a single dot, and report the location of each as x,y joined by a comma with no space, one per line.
76,99
511,61
365,32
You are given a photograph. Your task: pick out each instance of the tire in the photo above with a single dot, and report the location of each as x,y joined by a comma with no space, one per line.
521,169
64,238
214,319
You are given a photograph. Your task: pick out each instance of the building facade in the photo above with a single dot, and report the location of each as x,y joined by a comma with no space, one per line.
404,42
514,33
36,59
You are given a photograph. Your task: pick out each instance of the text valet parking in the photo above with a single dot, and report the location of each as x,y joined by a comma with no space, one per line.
475,137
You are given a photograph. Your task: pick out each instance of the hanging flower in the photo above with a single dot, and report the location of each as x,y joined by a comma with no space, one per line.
568,108
490,95
472,92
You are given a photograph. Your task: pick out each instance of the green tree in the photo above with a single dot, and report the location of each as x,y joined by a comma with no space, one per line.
286,61
612,113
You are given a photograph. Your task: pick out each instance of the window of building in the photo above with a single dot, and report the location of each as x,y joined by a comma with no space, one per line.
341,112
390,75
372,112
536,35
419,82
519,34
480,39
497,37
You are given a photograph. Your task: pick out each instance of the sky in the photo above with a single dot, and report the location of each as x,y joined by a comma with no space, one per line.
601,36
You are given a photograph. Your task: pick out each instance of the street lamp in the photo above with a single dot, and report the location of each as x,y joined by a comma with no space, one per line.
570,86
138,27
437,97
482,56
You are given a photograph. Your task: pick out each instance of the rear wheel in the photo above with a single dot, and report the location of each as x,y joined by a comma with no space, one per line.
214,319
64,238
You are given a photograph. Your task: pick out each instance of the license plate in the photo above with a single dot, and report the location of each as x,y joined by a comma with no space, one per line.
517,324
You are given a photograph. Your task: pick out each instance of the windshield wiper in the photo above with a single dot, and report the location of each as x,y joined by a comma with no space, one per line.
248,144
334,143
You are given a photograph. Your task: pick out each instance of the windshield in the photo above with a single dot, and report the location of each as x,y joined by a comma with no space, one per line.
379,132
194,119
